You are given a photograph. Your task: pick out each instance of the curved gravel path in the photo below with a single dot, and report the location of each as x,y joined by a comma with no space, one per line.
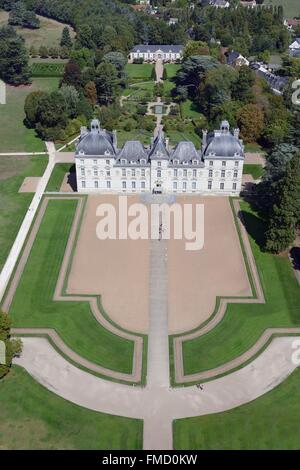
158,406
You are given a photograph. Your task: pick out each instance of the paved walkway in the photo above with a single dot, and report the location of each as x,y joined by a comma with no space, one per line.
158,343
157,406
26,224
159,69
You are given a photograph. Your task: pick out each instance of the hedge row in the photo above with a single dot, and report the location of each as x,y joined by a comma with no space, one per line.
48,69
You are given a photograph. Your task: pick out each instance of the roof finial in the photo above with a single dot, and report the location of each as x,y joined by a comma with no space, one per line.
95,126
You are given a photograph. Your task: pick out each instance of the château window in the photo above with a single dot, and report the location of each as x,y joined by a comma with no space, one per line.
133,172
143,185
184,186
223,173
209,184
124,184
185,173
143,173
123,161
221,185
83,184
95,172
194,173
175,173
234,186
95,162
211,163
175,185
96,184
223,163
235,175
143,161
123,172
158,173
107,162
82,172
194,185
108,173
210,173
133,184
236,164
108,184
158,163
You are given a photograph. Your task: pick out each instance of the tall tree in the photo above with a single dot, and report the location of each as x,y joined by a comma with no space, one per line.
66,40
14,59
285,216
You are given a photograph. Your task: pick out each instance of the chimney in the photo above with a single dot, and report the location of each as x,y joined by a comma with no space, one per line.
83,131
115,139
204,138
236,133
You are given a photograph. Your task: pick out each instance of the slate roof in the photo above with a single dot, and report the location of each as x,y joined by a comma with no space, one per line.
185,151
97,142
133,151
156,47
223,144
159,149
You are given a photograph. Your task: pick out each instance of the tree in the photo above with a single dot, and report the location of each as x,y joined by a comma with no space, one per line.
31,106
16,14
194,48
13,347
193,71
66,40
106,82
250,119
90,92
30,20
242,89
285,216
14,59
72,75
43,52
117,59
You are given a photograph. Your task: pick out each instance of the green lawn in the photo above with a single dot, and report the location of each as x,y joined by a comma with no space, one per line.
256,171
172,69
271,422
189,110
14,136
32,418
242,325
291,8
49,34
177,136
13,205
57,176
33,306
139,71
136,134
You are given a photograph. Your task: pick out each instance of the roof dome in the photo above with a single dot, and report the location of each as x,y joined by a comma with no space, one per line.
223,143
96,142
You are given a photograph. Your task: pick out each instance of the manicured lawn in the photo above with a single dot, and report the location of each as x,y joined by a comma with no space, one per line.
139,71
136,134
253,148
291,8
33,306
49,34
57,176
271,422
172,69
189,110
13,205
140,91
256,171
176,137
14,136
242,325
32,418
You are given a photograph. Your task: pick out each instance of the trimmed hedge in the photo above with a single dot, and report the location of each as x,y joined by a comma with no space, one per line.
47,69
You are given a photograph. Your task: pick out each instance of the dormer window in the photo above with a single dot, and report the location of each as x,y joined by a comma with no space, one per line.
143,161
176,162
195,162
123,161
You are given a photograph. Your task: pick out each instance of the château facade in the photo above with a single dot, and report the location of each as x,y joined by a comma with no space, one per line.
153,53
216,169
